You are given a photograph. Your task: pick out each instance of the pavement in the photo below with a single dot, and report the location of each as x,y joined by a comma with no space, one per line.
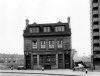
61,72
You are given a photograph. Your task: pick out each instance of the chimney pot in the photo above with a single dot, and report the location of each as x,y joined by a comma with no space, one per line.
68,19
27,21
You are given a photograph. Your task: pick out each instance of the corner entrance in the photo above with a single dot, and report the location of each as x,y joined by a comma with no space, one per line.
28,61
47,66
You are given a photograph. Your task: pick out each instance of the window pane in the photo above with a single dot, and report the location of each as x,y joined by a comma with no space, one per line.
37,29
56,29
59,28
62,28
43,44
34,30
46,29
51,44
59,43
31,30
34,44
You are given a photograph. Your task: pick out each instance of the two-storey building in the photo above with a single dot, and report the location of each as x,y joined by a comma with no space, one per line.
47,45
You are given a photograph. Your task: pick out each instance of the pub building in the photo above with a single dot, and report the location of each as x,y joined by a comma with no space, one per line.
47,46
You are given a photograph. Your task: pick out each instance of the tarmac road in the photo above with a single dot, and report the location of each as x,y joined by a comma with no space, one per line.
65,72
26,74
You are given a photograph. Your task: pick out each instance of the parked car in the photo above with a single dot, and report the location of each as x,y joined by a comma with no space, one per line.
80,66
20,68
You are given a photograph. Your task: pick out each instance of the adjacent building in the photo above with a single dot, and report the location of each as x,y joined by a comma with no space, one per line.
95,31
9,60
47,45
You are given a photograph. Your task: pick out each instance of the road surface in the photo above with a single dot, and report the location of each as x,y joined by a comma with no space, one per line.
19,74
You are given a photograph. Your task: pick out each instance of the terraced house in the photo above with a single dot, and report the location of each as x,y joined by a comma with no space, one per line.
47,45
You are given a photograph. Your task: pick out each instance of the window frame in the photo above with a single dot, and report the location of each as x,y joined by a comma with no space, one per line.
43,44
34,29
51,44
59,45
34,46
46,29
60,28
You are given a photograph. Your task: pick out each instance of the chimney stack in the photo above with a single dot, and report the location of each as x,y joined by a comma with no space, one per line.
68,20
27,21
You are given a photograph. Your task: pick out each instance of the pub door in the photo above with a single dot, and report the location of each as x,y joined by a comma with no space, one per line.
67,61
60,61
28,62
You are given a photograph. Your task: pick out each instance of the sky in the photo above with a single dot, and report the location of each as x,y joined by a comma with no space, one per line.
14,12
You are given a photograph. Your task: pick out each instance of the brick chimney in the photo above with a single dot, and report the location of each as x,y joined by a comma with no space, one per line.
27,21
68,20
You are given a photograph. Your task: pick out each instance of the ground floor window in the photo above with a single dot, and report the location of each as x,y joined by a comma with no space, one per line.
47,59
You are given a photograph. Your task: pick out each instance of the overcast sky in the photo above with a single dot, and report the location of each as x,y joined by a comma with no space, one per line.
14,12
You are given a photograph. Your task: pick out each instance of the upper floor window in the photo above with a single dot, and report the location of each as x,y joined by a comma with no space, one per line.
31,30
96,30
95,8
46,29
96,23
95,15
95,37
43,44
51,44
95,1
59,43
59,28
34,30
96,52
34,44
27,44
96,44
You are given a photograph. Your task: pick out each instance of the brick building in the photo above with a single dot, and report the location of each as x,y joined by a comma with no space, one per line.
47,45
9,60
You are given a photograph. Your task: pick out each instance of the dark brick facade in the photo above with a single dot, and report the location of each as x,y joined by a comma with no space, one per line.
51,49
